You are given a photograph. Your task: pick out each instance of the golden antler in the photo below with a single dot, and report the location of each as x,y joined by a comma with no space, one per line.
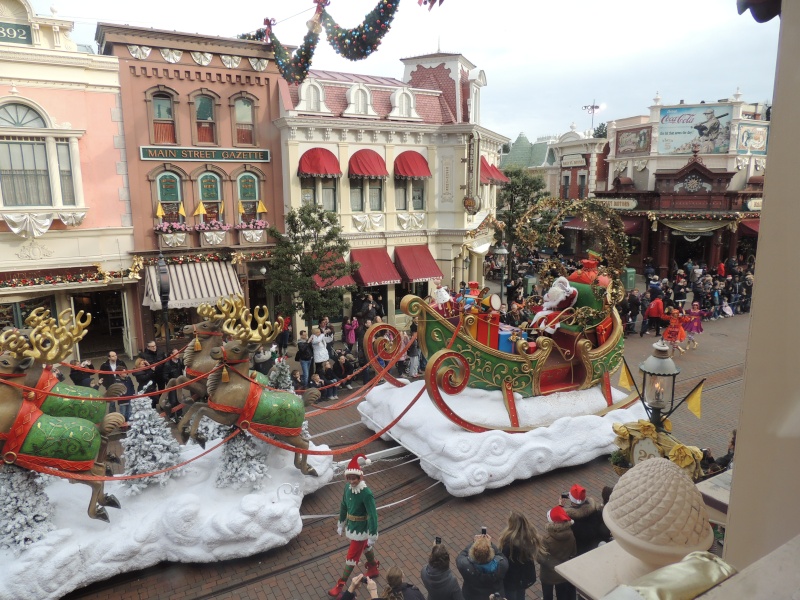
44,347
264,332
13,341
38,316
71,331
227,308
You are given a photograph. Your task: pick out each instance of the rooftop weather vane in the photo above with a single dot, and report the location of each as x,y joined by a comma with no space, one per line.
353,44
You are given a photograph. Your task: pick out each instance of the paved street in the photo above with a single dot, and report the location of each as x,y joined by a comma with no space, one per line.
312,562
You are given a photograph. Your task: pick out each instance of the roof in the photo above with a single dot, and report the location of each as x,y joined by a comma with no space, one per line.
524,154
324,76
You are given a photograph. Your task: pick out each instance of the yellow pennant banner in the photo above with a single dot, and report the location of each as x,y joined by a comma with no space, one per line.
160,211
261,208
181,210
241,208
694,401
200,210
625,377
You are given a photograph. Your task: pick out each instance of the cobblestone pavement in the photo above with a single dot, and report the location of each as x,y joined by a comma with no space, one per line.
311,563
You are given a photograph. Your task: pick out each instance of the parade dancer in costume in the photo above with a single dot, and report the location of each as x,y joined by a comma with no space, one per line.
674,334
695,324
358,519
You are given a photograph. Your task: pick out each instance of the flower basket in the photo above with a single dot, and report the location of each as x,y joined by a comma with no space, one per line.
213,238
252,224
211,226
167,241
252,237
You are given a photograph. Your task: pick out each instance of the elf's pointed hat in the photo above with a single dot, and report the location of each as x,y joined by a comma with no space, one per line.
354,467
577,494
557,514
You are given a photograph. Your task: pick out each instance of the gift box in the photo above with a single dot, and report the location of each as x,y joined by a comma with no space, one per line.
508,337
603,330
488,329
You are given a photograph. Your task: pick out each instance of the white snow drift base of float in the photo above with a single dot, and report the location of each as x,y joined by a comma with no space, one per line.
188,520
468,463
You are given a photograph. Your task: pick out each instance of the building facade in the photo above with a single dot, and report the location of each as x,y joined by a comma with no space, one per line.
65,214
405,164
204,166
687,180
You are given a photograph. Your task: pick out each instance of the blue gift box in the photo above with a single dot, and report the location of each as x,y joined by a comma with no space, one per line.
505,343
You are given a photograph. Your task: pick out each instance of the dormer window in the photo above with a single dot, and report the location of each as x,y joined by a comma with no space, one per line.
311,97
359,101
403,105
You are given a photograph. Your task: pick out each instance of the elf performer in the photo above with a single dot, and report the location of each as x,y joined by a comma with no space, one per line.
695,324
358,518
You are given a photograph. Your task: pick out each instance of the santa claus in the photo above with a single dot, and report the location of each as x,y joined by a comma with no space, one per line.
559,297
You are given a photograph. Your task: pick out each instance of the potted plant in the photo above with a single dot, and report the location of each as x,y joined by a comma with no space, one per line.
212,233
252,232
619,462
172,234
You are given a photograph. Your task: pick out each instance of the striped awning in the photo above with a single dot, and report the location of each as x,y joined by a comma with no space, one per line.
192,284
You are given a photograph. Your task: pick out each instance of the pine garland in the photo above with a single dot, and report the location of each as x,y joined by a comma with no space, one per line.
294,68
358,43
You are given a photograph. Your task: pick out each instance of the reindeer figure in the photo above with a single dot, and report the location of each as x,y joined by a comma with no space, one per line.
68,444
232,399
197,356
54,343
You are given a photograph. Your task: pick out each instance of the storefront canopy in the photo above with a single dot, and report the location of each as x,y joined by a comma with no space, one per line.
319,162
499,176
376,268
192,284
486,172
750,226
416,263
368,164
411,165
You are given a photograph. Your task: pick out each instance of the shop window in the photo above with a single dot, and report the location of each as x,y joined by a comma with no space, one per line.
357,195
418,195
204,120
308,190
210,196
24,175
14,314
163,120
328,185
400,198
247,186
243,114
375,195
168,186
323,188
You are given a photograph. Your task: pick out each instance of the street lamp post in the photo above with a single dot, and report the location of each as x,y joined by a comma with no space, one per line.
502,251
591,109
163,292
658,383
465,265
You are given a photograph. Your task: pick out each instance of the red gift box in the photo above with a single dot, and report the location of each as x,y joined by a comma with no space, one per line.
488,329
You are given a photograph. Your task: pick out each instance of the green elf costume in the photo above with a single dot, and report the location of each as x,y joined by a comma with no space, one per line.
358,519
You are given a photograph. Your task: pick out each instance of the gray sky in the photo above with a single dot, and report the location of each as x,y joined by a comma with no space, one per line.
543,60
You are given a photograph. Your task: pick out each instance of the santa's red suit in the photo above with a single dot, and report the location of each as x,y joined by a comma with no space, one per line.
559,297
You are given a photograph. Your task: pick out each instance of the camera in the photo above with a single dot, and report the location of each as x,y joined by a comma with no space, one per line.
438,540
483,530
565,495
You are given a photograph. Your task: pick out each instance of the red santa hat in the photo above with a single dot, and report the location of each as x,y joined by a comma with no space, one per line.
577,494
557,514
355,464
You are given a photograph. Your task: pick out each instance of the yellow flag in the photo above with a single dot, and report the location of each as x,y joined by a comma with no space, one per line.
241,208
181,210
261,208
221,207
693,401
625,378
200,210
160,211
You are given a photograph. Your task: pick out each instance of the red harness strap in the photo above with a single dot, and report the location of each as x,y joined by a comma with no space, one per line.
194,374
248,411
47,381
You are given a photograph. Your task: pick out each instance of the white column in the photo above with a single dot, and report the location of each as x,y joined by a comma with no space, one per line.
52,169
77,179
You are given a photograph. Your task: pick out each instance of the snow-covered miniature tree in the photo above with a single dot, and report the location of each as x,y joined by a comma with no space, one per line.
25,508
243,463
281,376
149,446
211,430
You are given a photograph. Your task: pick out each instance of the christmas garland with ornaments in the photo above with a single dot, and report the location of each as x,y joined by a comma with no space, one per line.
100,275
355,43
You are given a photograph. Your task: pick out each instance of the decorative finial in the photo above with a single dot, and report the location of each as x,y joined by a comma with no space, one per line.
657,99
13,91
738,95
573,126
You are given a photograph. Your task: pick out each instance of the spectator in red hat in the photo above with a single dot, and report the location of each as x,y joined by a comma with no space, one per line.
558,546
584,512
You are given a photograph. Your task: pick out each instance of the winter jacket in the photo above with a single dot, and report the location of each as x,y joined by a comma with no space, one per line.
107,378
635,305
153,357
342,370
481,579
349,331
440,584
319,343
173,369
559,542
263,361
144,377
80,377
304,350
655,310
520,575
585,527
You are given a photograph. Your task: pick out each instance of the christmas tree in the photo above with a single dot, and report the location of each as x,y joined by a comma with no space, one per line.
243,463
25,508
281,376
149,446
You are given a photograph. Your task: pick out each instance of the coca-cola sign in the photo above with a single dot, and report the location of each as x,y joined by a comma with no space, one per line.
705,127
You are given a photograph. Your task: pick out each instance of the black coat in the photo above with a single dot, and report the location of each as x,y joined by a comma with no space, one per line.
635,305
588,527
520,575
108,379
173,369
80,377
440,584
479,583
153,356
